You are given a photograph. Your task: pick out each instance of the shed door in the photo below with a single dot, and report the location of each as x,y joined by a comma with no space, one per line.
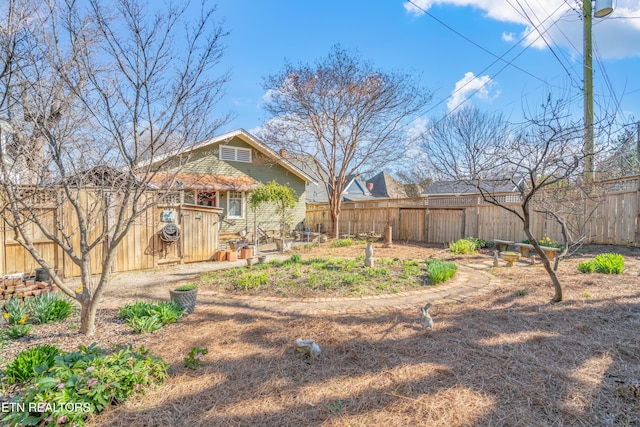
446,225
412,223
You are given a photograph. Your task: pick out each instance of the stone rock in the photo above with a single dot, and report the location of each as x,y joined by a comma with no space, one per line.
307,348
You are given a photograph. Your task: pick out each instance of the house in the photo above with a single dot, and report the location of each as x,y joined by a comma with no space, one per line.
220,172
461,187
386,186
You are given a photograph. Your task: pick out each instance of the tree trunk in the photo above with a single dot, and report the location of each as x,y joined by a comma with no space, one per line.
335,222
543,256
88,317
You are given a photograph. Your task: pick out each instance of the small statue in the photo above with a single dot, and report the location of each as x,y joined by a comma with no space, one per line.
307,348
426,320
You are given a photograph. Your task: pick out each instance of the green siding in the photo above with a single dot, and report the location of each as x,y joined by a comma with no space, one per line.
261,169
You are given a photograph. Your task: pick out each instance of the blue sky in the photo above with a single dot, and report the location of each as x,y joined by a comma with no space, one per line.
395,35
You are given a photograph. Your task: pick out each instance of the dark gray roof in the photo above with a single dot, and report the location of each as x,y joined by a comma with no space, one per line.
470,187
386,186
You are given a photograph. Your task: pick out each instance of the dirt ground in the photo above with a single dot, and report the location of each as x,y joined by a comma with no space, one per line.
504,358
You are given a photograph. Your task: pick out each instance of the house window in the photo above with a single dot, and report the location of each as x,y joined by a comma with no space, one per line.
235,205
235,154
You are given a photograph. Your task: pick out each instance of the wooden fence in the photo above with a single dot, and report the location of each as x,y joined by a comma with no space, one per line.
609,217
141,248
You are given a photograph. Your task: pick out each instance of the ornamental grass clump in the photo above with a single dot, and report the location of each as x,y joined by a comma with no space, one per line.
440,271
29,363
50,307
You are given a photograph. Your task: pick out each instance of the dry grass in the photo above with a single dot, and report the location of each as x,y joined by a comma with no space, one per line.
499,359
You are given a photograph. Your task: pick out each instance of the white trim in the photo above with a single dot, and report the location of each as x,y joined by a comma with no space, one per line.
242,205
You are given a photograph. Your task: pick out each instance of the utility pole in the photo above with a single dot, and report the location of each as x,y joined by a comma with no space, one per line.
603,8
588,93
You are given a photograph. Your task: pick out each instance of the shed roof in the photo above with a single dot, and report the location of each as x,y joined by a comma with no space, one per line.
204,182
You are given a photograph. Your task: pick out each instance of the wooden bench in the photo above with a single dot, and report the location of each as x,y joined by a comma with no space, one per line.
526,247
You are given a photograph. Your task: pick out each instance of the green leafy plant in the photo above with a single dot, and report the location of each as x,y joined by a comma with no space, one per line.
252,280
341,243
137,309
609,263
29,363
463,246
587,267
89,378
14,312
50,307
169,312
296,258
194,358
376,271
522,293
187,287
143,316
440,271
145,324
15,332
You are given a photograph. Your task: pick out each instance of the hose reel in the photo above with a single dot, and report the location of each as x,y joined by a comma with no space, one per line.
170,233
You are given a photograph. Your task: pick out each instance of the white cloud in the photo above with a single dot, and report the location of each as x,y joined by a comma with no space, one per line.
560,23
417,7
508,37
470,86
417,128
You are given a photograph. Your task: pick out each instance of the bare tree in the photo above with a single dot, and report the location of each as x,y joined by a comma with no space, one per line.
89,93
542,157
341,116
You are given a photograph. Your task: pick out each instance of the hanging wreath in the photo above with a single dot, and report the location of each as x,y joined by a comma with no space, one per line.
170,233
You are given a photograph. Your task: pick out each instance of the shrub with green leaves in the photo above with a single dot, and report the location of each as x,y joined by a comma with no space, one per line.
88,378
587,267
15,332
145,324
463,246
50,307
15,311
143,316
137,309
29,363
440,271
609,263
296,258
341,243
169,312
603,263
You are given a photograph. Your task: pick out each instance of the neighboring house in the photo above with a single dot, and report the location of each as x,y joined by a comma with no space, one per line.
458,188
355,189
220,172
386,186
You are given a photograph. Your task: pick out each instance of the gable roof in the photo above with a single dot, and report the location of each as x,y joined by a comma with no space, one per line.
251,141
454,188
385,185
